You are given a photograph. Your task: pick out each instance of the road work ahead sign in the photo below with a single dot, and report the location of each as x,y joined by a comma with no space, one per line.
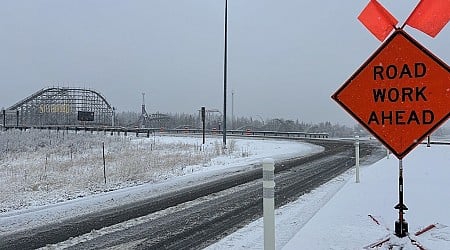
400,94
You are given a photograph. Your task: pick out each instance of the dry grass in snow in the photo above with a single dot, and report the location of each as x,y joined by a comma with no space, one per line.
41,167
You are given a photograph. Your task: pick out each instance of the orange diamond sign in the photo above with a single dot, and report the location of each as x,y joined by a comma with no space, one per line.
401,94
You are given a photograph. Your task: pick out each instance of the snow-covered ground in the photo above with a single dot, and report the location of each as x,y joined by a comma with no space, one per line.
336,215
137,168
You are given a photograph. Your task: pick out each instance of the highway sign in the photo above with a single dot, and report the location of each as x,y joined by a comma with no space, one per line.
400,94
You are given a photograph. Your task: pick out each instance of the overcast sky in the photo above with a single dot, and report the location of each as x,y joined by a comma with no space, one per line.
286,57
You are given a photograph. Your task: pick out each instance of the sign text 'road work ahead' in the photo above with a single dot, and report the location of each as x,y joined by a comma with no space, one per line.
400,94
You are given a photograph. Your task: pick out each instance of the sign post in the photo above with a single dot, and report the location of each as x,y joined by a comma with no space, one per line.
401,226
203,123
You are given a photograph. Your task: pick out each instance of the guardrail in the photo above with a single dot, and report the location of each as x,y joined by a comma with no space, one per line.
437,143
148,131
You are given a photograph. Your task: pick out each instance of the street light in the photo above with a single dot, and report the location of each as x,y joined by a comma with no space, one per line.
225,80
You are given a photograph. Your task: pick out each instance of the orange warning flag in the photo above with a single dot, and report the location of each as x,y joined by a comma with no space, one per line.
377,20
430,16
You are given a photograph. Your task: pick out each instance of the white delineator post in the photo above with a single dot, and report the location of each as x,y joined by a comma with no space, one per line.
357,157
269,203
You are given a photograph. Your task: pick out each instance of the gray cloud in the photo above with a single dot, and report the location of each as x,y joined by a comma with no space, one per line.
286,57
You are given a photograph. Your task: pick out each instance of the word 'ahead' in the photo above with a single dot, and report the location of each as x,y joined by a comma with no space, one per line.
400,94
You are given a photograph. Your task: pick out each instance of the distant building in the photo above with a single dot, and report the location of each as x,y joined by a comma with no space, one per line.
60,106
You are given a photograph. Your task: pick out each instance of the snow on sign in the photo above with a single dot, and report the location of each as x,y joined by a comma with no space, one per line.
400,94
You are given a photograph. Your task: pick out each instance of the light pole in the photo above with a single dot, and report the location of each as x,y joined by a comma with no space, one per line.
225,81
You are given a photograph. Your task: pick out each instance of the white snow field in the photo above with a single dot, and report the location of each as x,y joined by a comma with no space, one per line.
333,216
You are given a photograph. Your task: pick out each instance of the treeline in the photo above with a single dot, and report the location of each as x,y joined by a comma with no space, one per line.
214,120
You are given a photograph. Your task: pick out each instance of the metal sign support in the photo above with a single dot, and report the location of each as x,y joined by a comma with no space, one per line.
401,226
203,112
